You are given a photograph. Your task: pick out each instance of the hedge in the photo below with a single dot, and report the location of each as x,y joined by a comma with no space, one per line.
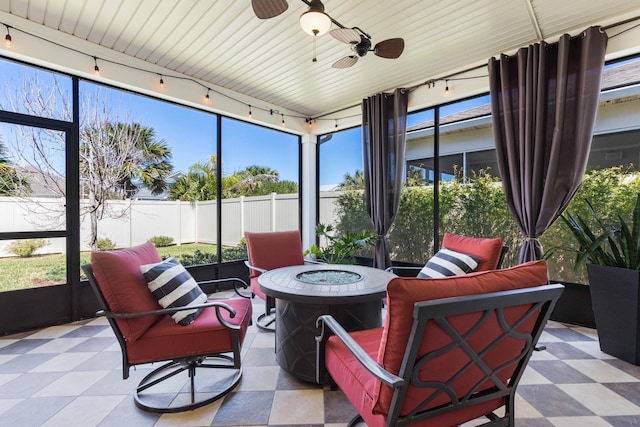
478,208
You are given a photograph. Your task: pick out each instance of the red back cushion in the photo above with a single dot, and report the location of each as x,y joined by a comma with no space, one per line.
487,250
403,293
274,249
124,287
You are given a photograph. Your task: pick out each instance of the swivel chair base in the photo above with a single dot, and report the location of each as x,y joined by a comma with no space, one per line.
267,322
180,397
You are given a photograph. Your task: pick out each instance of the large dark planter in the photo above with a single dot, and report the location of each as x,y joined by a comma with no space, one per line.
615,295
574,306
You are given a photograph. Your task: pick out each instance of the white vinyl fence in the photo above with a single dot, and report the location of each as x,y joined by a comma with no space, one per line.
131,222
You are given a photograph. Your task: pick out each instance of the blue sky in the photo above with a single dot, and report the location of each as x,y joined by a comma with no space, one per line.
191,133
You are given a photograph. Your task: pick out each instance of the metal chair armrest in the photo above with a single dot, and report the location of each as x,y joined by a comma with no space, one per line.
234,280
393,269
217,304
253,267
369,363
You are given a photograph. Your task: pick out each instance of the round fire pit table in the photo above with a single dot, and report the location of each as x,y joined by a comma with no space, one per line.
351,293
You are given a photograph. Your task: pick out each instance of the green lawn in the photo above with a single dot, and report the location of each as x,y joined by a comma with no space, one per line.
40,270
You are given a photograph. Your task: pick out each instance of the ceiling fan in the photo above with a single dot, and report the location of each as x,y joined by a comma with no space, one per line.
316,22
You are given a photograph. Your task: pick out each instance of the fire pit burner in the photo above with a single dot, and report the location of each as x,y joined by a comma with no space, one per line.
324,277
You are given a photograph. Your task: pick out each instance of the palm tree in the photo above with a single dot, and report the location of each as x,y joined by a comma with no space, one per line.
355,182
148,163
115,159
251,180
200,182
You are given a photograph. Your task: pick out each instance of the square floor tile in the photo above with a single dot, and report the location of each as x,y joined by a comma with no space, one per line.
84,411
248,408
551,401
600,400
58,345
55,331
559,372
71,384
297,407
63,362
601,371
36,411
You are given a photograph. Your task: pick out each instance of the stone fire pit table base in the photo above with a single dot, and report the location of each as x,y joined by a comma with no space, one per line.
302,296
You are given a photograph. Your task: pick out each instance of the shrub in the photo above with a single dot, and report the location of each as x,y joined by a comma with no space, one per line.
105,244
161,241
231,253
26,248
340,249
198,257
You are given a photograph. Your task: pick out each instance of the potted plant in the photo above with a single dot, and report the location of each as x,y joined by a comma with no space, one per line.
611,254
340,249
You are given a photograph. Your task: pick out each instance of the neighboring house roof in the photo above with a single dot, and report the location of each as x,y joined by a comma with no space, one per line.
612,77
42,184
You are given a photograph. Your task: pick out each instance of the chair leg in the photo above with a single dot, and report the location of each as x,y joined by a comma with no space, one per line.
266,321
170,398
355,421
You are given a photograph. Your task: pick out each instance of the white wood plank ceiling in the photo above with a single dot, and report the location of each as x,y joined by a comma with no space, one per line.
223,43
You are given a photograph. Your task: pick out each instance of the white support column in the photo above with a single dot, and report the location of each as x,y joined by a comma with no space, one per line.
308,185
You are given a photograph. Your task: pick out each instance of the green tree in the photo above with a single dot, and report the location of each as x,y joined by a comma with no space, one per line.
200,182
352,182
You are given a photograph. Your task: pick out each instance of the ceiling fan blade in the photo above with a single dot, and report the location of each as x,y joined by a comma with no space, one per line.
265,9
346,35
346,62
391,48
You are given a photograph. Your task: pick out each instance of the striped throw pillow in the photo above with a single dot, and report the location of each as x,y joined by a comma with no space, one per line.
173,286
448,263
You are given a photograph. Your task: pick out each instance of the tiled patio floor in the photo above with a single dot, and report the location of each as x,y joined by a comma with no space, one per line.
71,375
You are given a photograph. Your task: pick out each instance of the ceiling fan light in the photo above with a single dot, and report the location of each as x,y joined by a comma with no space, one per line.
315,22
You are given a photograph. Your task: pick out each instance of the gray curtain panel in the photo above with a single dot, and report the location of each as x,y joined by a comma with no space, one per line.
383,140
544,101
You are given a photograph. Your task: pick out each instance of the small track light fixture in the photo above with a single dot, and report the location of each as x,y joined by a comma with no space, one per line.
446,88
206,97
250,113
283,123
161,81
7,38
96,69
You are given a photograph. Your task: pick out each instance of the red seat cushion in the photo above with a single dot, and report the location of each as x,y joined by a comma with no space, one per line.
349,374
124,287
166,340
487,250
403,293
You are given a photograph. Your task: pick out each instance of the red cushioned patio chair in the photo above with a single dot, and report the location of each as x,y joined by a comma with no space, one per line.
489,251
452,349
147,333
266,251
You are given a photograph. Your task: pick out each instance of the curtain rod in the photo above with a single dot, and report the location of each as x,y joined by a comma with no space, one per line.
432,81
